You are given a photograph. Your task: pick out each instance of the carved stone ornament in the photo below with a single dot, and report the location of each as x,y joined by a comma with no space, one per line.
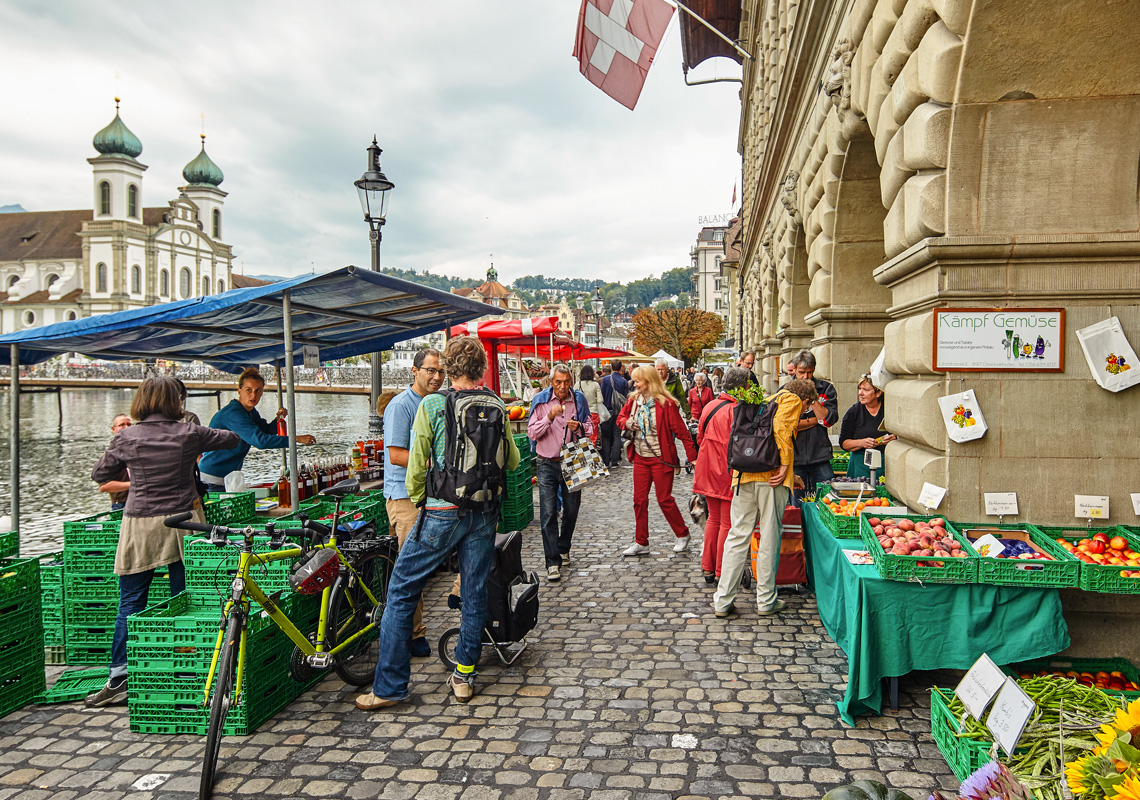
788,192
837,83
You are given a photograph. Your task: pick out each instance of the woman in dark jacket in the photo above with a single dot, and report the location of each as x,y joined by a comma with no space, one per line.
859,430
713,478
653,416
160,450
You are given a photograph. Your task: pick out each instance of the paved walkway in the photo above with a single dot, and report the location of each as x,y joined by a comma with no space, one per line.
630,689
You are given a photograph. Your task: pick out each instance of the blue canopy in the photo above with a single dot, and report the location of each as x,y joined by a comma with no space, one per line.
344,313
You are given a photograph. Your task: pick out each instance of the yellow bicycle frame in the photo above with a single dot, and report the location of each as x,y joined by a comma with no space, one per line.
251,589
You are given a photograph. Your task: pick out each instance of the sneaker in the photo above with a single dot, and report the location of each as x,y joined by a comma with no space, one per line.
553,573
710,577
728,612
419,647
776,608
636,549
454,601
370,702
682,544
114,693
565,558
462,688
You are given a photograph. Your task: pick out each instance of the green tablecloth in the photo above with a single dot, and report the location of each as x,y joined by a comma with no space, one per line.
889,628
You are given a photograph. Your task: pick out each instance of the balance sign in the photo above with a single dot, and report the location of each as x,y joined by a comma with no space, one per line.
616,43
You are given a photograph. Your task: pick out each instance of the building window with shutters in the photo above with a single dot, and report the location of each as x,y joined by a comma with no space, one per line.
164,283
136,279
185,286
133,201
104,198
217,223
100,277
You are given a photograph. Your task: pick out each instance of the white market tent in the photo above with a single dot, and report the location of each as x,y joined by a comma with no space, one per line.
675,363
342,313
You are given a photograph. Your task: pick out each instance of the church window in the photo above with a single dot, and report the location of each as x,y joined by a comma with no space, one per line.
13,280
100,277
217,226
51,279
71,316
136,279
184,284
205,286
164,283
221,286
29,318
133,201
104,198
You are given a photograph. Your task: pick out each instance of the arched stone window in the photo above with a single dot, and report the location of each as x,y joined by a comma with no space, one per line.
205,287
221,286
164,283
136,279
217,225
13,280
71,315
185,282
51,279
133,201
100,277
104,198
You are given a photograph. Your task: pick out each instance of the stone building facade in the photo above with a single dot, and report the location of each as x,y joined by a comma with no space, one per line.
905,155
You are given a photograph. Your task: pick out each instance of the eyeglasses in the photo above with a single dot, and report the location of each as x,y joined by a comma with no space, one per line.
432,371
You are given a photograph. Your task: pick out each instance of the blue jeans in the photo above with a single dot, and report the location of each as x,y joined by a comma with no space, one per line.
551,488
812,474
133,592
436,533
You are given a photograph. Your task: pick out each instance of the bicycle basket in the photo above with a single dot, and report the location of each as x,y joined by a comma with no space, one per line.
314,573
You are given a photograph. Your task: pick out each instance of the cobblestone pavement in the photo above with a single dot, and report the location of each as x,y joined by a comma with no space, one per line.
630,689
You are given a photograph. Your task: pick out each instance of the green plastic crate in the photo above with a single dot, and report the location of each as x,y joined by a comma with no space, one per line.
105,586
1061,573
229,508
19,615
90,635
210,569
19,578
256,707
76,655
74,685
87,559
908,568
1100,577
100,531
845,527
368,511
51,580
91,612
1093,665
963,756
20,684
9,544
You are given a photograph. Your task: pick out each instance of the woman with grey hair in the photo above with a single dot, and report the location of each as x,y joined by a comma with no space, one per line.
713,478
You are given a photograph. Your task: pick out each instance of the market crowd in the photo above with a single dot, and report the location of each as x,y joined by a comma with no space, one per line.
161,461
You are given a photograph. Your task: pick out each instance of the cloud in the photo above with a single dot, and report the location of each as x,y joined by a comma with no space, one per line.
495,143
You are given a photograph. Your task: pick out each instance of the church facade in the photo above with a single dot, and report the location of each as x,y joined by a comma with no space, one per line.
57,266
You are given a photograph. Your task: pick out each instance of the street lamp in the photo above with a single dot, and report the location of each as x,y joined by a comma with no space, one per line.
597,303
373,188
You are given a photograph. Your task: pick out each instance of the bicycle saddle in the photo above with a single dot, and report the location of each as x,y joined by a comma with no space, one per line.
343,489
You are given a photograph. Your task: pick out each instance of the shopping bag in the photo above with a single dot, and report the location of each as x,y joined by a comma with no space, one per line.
963,416
879,374
581,464
1110,356
603,413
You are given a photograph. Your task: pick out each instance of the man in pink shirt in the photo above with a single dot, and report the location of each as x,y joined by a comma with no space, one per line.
557,415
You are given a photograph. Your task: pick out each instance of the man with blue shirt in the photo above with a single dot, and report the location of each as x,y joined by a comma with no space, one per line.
610,436
427,377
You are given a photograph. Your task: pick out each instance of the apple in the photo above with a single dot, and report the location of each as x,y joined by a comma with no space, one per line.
1101,537
1118,543
1096,546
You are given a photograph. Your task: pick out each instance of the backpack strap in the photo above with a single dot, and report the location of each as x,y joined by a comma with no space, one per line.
708,419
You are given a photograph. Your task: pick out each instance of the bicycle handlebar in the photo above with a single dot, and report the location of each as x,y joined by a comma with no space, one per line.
182,522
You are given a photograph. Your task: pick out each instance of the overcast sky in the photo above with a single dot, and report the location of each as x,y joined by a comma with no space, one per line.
494,140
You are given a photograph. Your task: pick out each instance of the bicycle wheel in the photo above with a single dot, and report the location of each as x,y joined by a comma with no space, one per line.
350,610
220,702
447,644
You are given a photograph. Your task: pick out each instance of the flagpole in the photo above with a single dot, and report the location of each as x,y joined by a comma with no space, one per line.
707,24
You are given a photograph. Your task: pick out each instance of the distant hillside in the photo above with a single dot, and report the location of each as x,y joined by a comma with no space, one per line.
15,208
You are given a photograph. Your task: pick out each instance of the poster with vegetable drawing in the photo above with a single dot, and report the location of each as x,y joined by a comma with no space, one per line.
963,416
1109,355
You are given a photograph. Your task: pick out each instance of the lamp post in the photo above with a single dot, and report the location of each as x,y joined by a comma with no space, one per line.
373,188
597,303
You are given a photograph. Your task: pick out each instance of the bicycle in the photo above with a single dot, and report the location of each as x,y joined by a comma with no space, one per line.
353,589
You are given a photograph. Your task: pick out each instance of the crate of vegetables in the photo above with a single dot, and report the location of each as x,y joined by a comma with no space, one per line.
840,505
1110,557
1022,556
918,548
1114,676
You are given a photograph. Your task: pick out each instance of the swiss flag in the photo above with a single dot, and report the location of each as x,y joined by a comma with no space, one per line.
616,43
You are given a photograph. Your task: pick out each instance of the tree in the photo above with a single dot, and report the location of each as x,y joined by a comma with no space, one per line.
683,300
682,332
677,280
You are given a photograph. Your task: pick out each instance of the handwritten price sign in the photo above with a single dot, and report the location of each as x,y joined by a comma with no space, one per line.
1009,716
979,685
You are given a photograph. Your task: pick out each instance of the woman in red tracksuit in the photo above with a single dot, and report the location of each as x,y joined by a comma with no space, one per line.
713,478
652,415
699,396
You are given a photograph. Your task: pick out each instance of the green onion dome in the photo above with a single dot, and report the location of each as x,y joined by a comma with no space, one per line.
116,139
202,171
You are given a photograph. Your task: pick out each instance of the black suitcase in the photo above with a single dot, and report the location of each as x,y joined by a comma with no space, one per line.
512,594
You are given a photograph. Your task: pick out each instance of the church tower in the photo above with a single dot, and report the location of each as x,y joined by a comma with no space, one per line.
117,175
202,178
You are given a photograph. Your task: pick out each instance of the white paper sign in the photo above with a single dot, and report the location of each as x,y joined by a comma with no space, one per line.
1012,710
989,546
962,415
1136,503
1109,355
980,685
1091,506
312,356
1001,504
931,495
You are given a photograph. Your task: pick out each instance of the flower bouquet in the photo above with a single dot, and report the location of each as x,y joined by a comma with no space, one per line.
1112,770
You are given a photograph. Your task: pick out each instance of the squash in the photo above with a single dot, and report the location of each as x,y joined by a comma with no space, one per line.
866,790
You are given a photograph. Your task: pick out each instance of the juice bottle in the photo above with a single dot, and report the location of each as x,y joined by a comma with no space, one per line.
284,499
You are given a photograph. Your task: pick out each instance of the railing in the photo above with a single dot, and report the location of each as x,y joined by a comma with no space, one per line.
133,371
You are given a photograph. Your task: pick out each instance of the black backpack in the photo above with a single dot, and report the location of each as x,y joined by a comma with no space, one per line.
752,445
475,451
617,399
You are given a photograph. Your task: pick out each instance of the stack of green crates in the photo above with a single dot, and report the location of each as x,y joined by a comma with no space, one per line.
51,607
516,509
229,508
526,454
169,650
9,544
21,634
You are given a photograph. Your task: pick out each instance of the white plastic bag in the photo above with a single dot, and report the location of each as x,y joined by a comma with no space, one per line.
963,416
880,375
1110,356
235,481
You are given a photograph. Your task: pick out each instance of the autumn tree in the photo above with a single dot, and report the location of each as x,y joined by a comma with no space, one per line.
681,332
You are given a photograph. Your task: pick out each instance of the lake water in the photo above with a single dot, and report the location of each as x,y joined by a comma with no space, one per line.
57,452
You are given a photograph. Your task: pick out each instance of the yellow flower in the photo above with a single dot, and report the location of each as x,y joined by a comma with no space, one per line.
1075,772
1127,721
1128,790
